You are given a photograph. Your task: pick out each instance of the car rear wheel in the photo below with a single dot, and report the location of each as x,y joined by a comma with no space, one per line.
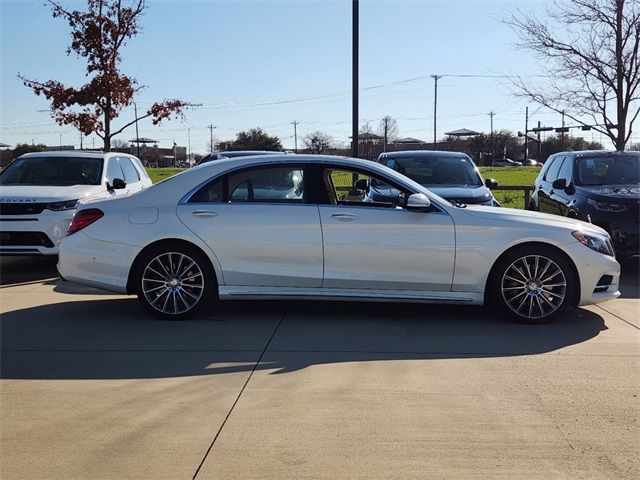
533,285
175,283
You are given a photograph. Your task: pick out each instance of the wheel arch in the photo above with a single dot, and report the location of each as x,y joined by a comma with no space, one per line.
173,242
527,246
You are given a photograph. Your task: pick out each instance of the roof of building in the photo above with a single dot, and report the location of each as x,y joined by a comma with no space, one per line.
462,132
408,140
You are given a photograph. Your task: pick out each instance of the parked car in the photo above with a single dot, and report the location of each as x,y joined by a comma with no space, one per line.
210,157
451,175
39,193
192,239
505,162
530,162
600,187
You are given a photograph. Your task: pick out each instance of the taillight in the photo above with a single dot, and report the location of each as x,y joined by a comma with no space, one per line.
84,218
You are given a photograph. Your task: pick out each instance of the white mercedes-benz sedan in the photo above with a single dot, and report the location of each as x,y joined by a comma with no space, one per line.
39,193
296,227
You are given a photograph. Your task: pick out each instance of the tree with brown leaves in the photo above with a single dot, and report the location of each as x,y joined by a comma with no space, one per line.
98,35
591,50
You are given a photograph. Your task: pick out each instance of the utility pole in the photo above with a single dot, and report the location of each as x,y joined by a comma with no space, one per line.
135,109
493,148
93,143
526,135
539,144
80,140
189,144
211,127
60,140
295,135
354,72
562,133
435,108
386,129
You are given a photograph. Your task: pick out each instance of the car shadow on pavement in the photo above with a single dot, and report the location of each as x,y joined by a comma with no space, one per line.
116,339
21,270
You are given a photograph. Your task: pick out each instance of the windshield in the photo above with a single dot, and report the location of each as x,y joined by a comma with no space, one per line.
53,171
618,170
436,171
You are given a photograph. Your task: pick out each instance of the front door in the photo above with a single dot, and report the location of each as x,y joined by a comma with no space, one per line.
382,246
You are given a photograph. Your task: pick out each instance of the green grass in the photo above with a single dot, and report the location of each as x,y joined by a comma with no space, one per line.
157,174
506,176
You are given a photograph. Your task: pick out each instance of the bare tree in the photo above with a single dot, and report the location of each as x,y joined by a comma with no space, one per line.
591,53
119,143
317,142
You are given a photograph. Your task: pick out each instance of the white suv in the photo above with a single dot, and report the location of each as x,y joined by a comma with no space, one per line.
39,193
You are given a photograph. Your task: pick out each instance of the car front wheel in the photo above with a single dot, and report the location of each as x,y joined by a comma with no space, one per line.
175,283
533,285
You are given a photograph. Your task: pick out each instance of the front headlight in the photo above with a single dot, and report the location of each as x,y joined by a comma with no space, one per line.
66,205
598,243
606,207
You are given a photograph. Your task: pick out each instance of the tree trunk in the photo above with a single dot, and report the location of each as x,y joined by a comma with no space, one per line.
107,127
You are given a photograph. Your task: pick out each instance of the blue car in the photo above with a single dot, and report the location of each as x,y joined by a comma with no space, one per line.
452,175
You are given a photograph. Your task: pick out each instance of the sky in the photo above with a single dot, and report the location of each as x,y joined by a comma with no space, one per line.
267,63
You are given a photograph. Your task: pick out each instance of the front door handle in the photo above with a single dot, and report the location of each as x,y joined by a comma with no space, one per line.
344,217
205,214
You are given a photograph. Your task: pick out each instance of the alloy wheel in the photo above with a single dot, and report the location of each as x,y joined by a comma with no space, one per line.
172,283
533,286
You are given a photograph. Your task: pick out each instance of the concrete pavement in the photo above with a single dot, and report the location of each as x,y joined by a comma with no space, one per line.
92,387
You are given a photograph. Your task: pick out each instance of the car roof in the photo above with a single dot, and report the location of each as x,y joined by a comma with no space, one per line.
76,154
600,153
423,153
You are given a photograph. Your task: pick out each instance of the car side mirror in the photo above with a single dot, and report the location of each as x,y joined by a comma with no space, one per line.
118,184
490,183
559,184
418,202
360,184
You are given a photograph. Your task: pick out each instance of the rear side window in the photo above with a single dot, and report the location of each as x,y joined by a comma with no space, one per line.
210,193
268,185
114,171
130,173
566,169
554,169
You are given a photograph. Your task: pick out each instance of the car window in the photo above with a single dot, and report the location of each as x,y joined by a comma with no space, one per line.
114,171
141,170
130,173
565,170
608,170
342,187
211,193
282,184
554,169
53,171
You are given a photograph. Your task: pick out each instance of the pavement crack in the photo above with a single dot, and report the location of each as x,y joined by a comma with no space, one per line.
273,334
618,317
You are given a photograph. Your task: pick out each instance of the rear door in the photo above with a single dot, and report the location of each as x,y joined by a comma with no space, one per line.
260,226
377,245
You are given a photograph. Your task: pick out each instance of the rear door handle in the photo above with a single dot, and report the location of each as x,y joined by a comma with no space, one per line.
344,217
205,214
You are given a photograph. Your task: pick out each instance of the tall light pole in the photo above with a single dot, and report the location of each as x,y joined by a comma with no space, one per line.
135,109
354,69
295,135
435,109
493,149
211,127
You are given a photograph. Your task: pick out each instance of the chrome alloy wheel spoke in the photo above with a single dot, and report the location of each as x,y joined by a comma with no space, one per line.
176,291
540,293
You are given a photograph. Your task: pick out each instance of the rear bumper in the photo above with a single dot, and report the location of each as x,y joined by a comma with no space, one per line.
96,263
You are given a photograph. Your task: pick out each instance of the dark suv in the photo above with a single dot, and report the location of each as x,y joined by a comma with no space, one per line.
595,186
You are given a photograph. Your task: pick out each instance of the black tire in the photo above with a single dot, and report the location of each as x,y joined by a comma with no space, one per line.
531,292
176,295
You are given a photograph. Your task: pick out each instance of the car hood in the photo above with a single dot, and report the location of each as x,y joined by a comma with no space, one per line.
610,192
42,194
494,216
463,194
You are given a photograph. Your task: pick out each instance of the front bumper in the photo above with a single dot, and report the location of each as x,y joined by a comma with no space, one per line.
38,234
592,267
624,230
